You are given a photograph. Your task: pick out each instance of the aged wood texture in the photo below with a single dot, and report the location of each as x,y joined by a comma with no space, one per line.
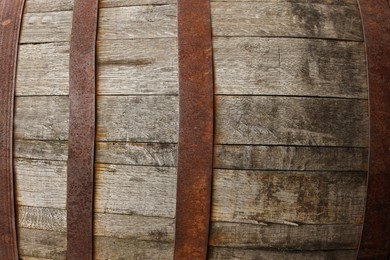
293,20
222,253
50,219
285,237
288,197
148,21
150,69
291,121
42,244
336,2
129,249
375,243
118,3
44,66
10,22
41,149
40,6
285,66
301,158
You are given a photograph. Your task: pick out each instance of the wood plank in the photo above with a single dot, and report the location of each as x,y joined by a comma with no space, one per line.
148,21
42,244
140,66
40,6
290,158
291,121
291,198
41,149
46,27
135,190
40,183
129,249
44,117
50,219
118,3
138,119
43,69
148,154
221,253
285,237
285,66
292,19
33,258
135,227
336,2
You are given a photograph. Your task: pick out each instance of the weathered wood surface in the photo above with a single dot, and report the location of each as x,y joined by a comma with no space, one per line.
222,253
336,2
129,249
258,157
43,69
288,197
118,3
46,27
40,6
292,19
291,121
42,243
283,66
141,66
50,219
147,21
41,149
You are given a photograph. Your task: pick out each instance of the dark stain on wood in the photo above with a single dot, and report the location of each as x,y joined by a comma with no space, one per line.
127,62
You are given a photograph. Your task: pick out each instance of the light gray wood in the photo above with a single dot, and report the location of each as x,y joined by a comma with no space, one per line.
285,237
291,158
42,118
33,258
118,3
291,198
292,20
43,69
129,249
221,253
151,154
141,66
46,27
41,244
40,6
40,183
138,119
336,2
285,66
135,227
50,219
135,190
291,121
41,149
148,21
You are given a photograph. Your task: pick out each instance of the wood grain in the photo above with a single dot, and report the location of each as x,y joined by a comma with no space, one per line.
40,6
258,157
292,198
43,69
46,27
118,3
285,66
335,2
140,66
293,20
135,190
129,249
285,237
50,219
291,121
138,119
41,149
221,253
42,244
147,21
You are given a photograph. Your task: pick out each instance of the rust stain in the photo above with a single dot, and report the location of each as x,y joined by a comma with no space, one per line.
195,154
9,35
375,241
82,95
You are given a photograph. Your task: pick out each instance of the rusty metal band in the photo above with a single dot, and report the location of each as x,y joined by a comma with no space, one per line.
11,12
82,95
375,242
195,152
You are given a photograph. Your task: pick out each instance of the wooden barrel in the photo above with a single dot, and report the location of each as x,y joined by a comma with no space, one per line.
291,129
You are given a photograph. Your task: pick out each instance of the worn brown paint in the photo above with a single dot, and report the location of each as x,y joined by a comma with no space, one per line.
195,130
82,94
11,12
375,242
